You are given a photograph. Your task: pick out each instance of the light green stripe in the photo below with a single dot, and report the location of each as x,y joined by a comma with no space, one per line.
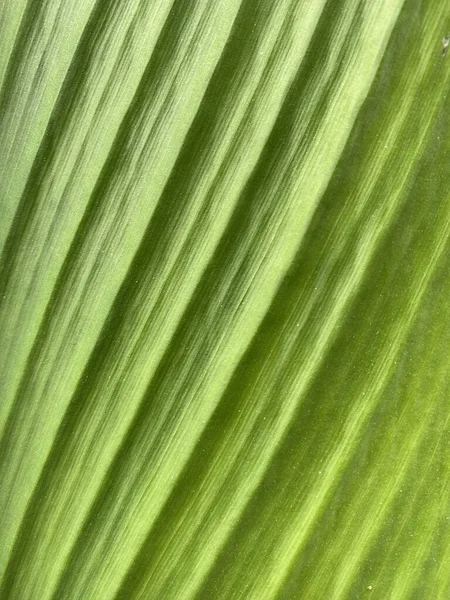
96,96
48,391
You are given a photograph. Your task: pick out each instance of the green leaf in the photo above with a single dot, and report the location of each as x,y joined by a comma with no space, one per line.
224,300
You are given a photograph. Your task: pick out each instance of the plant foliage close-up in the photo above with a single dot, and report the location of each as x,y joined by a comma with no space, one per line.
224,300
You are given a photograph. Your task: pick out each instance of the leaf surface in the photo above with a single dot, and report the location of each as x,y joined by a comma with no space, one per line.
223,300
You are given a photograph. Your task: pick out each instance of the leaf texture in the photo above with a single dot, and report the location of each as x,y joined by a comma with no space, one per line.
223,300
